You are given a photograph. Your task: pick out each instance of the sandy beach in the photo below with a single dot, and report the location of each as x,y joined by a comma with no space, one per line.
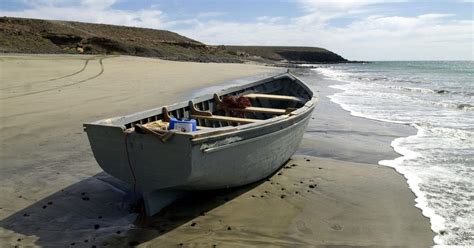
331,193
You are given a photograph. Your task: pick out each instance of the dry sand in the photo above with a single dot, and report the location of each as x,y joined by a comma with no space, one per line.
55,195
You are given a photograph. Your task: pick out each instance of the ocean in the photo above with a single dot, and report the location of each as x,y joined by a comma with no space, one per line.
437,98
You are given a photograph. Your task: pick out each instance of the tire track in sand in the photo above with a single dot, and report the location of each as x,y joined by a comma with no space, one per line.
64,85
53,79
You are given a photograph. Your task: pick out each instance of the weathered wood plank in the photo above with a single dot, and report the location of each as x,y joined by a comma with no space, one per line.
275,97
226,118
262,110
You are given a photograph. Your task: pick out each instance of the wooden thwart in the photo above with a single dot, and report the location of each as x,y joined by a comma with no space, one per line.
226,118
275,111
275,97
206,115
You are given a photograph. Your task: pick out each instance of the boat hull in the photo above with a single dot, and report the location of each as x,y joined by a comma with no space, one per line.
226,156
244,161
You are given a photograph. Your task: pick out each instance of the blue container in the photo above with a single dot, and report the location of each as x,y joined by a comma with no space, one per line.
182,125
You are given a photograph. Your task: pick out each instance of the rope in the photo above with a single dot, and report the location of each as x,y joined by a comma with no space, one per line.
130,164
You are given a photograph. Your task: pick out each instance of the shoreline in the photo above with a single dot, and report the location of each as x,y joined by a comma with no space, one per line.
59,196
412,181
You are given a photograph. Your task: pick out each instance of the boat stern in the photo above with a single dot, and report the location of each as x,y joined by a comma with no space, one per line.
143,161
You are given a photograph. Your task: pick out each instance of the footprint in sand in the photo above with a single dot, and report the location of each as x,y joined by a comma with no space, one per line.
301,226
336,227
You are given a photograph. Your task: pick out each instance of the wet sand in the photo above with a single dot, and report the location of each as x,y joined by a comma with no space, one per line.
55,195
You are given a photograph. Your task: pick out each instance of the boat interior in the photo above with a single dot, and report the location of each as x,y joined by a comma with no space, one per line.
266,100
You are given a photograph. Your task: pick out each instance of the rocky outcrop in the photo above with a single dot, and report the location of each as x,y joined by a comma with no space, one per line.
19,35
288,54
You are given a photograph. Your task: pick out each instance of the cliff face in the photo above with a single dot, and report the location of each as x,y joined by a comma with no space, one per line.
289,54
19,35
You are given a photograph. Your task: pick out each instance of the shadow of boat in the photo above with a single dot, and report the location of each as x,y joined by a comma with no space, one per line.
97,212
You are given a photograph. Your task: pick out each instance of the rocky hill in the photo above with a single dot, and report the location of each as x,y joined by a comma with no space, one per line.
20,35
288,54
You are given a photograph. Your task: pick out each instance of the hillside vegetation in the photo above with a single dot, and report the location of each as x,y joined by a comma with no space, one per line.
19,35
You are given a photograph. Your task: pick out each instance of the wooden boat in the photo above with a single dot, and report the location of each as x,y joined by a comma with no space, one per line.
225,151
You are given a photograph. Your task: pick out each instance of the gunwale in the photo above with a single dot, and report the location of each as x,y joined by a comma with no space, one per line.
209,134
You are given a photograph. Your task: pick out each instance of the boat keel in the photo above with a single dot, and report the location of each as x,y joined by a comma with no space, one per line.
155,201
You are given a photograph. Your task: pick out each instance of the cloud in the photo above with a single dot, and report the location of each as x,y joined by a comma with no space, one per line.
269,19
422,37
95,11
370,34
211,14
318,12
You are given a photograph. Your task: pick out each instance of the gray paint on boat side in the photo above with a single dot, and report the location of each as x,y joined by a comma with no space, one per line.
202,160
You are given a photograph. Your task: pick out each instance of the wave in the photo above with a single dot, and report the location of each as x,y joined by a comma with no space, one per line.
414,89
438,223
436,160
465,106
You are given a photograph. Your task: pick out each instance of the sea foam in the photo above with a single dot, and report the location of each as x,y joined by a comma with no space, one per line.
438,161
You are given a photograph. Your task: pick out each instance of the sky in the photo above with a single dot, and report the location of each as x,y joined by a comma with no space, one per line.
354,29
